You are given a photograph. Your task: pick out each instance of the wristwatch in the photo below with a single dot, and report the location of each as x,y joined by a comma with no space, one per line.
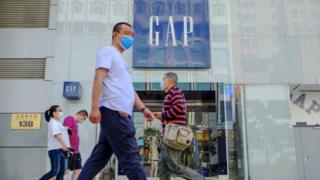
142,109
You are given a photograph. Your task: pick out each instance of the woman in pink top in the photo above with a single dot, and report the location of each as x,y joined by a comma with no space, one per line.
74,164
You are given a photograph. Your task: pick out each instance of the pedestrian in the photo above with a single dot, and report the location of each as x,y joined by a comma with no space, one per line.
174,113
71,122
58,143
113,100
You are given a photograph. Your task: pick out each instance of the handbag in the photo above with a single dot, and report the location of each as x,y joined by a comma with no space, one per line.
72,159
177,137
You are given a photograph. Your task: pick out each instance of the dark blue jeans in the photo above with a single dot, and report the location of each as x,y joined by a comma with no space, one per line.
117,136
57,165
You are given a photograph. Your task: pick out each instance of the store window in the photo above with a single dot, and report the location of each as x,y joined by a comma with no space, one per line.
270,138
155,86
203,86
158,8
77,7
219,9
139,86
180,8
98,8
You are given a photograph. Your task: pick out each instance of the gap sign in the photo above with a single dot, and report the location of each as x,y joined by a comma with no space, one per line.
72,90
171,34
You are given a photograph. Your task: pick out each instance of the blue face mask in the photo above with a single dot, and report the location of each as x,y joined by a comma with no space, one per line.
126,42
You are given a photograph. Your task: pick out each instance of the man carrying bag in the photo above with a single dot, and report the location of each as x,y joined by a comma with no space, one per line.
177,134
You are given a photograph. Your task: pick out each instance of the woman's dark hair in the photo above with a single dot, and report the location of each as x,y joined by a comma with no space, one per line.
49,113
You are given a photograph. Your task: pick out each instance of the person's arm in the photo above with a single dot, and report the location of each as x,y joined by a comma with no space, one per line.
103,66
60,140
100,74
68,123
138,103
142,108
56,133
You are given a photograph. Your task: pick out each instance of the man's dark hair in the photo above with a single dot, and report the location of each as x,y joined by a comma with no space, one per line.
117,27
83,112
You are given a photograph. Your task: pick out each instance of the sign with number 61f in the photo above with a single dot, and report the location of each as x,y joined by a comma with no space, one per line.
25,121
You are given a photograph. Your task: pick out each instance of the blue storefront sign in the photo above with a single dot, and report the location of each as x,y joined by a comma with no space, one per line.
171,34
72,90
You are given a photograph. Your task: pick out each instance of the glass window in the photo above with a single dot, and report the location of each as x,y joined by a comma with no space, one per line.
244,17
158,8
60,4
252,4
139,86
77,8
141,8
294,13
118,9
155,86
220,33
203,86
221,56
180,8
184,86
198,8
303,14
219,9
244,4
270,139
252,17
98,8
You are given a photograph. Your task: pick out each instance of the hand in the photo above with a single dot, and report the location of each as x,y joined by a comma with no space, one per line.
158,115
64,148
95,116
148,114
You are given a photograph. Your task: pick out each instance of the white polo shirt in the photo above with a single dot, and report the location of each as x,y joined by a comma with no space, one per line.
55,127
117,92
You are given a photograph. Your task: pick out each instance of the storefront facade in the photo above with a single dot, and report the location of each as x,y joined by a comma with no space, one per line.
242,64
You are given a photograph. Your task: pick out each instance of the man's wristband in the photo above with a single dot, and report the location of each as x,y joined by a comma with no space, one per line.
142,109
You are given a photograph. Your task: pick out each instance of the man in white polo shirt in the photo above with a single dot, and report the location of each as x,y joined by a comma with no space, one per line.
113,100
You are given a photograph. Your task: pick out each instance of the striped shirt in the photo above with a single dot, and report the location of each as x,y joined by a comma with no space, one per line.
174,107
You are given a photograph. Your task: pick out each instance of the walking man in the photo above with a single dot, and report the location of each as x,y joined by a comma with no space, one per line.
113,99
74,164
175,112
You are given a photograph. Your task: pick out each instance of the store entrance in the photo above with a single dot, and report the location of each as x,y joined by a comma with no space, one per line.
202,155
